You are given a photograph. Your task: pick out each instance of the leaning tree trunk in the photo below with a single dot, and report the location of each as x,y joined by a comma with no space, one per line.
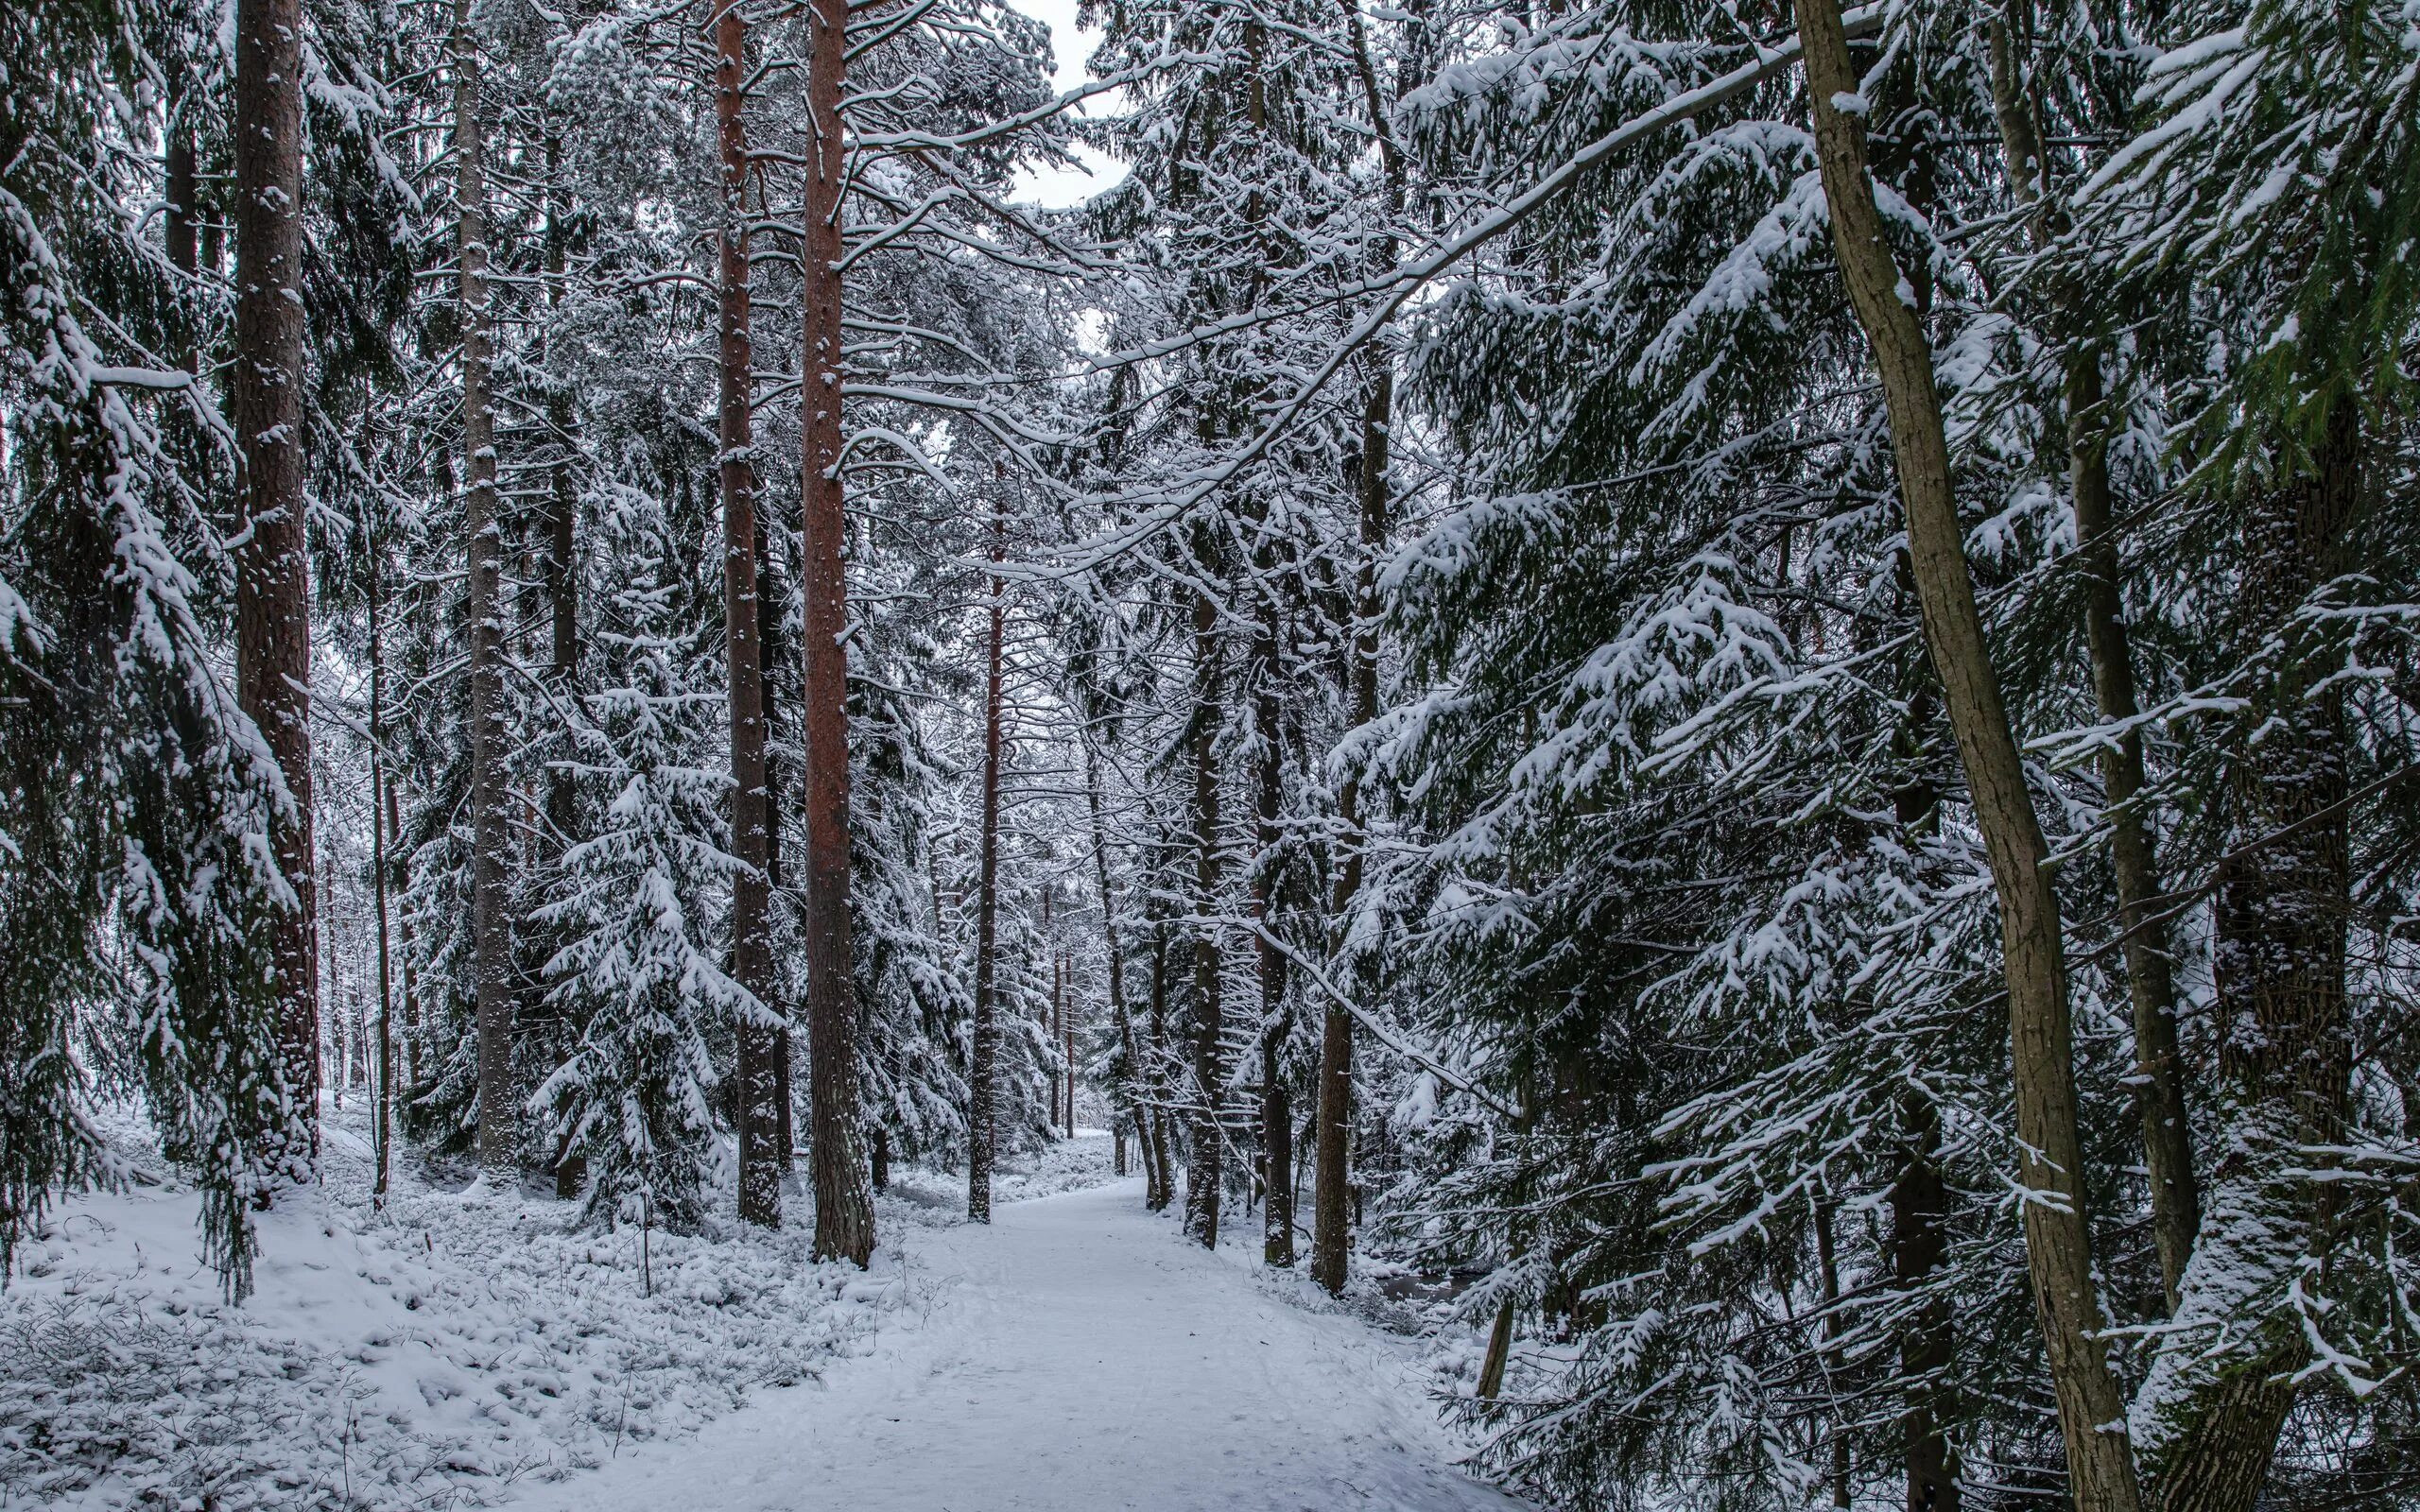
986,1050
751,947
274,564
843,1206
491,928
2057,1230
2159,1076
2220,1386
1202,1177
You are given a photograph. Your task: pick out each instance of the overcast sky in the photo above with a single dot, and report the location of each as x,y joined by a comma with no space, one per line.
1066,186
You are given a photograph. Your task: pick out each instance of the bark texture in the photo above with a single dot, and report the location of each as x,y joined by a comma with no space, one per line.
498,1141
2159,1079
2058,1239
1277,1105
274,564
843,1206
981,1083
1204,1174
2220,1389
751,947
1331,1218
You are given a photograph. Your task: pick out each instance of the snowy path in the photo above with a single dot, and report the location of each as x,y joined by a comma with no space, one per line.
1075,1356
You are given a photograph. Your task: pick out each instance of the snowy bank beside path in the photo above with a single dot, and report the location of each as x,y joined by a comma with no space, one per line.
1079,1356
436,1355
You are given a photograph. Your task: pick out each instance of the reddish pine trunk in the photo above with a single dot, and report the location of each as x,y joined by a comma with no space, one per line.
273,566
752,953
843,1206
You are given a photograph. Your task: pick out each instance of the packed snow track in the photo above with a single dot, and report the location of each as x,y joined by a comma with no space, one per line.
1076,1355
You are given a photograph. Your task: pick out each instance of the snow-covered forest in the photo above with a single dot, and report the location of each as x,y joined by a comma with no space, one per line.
1678,734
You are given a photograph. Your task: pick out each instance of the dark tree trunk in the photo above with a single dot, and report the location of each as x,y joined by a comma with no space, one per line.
1331,1218
2159,1071
1919,1248
2159,1078
382,1119
1141,1092
980,1088
1919,1195
769,653
562,503
490,925
1201,1179
1829,1276
411,1000
562,576
1163,1137
2284,1037
2057,1227
843,1207
274,564
752,952
1276,1106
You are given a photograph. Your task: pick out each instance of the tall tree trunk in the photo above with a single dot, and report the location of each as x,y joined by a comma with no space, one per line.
382,1119
1276,1106
1163,1140
1140,1094
491,927
843,1206
1202,1177
1919,1195
1332,1213
2159,1076
1067,1040
2058,1234
981,1091
1827,1268
561,578
751,948
411,999
769,652
1919,1248
274,564
563,512
2220,1386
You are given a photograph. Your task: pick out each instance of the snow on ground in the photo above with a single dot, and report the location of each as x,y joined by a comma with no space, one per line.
1076,1355
469,1349
436,1355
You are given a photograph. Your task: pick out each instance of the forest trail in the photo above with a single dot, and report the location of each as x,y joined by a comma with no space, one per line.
1075,1356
